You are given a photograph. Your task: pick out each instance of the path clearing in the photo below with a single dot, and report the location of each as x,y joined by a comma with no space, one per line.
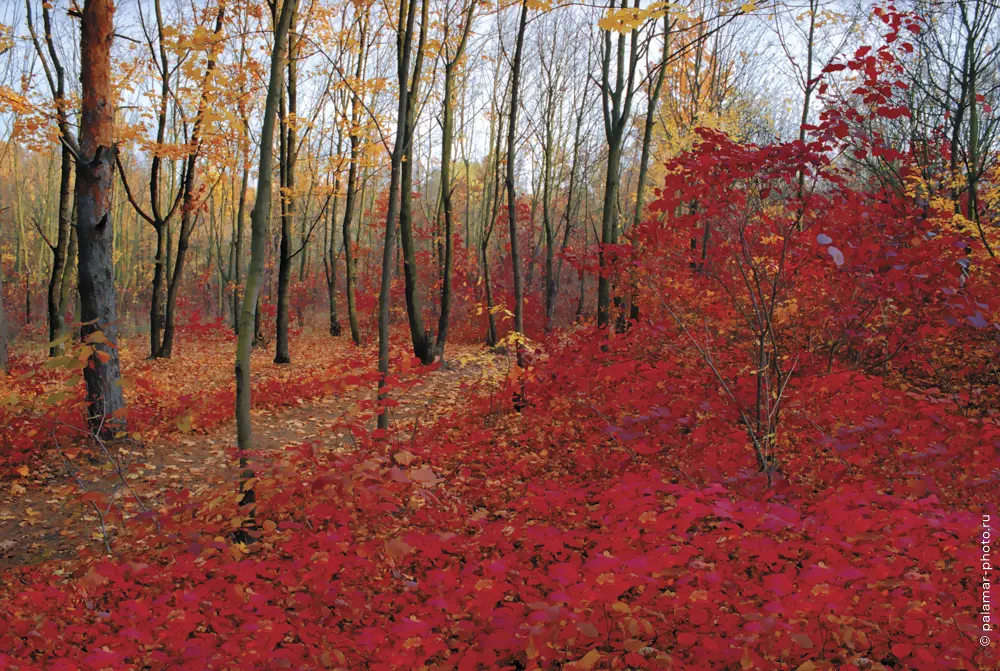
50,520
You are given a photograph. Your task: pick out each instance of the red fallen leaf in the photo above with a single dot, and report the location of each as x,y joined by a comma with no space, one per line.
94,497
687,638
699,616
397,475
424,475
913,627
902,650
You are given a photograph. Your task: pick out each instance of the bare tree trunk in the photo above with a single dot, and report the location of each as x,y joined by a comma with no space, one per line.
414,309
404,42
330,255
156,299
258,240
4,331
60,254
515,256
56,76
188,204
553,77
647,137
238,245
447,136
617,108
352,188
290,140
94,180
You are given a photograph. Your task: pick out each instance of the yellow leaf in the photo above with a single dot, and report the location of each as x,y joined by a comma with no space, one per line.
404,458
586,662
22,471
56,397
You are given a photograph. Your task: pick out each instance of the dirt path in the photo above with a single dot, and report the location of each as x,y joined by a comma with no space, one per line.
53,520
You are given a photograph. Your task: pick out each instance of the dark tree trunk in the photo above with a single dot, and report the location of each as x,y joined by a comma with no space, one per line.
56,76
414,308
515,256
330,253
238,245
281,353
352,187
60,254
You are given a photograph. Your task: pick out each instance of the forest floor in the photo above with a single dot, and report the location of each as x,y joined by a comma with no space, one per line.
596,509
88,499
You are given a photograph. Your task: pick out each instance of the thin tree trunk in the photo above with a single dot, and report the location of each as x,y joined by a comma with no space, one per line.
447,136
404,42
60,254
330,256
4,330
352,187
238,244
56,76
258,239
188,204
647,138
515,257
281,354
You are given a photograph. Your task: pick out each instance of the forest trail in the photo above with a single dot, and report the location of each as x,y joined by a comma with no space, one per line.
51,520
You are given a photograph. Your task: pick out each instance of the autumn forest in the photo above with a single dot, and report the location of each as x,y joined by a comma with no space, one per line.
475,335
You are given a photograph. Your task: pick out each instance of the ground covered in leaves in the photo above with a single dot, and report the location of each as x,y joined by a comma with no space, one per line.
568,525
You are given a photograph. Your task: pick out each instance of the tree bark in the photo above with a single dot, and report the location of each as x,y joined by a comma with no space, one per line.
94,177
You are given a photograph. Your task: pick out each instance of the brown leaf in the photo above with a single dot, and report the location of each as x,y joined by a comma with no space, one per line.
397,548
